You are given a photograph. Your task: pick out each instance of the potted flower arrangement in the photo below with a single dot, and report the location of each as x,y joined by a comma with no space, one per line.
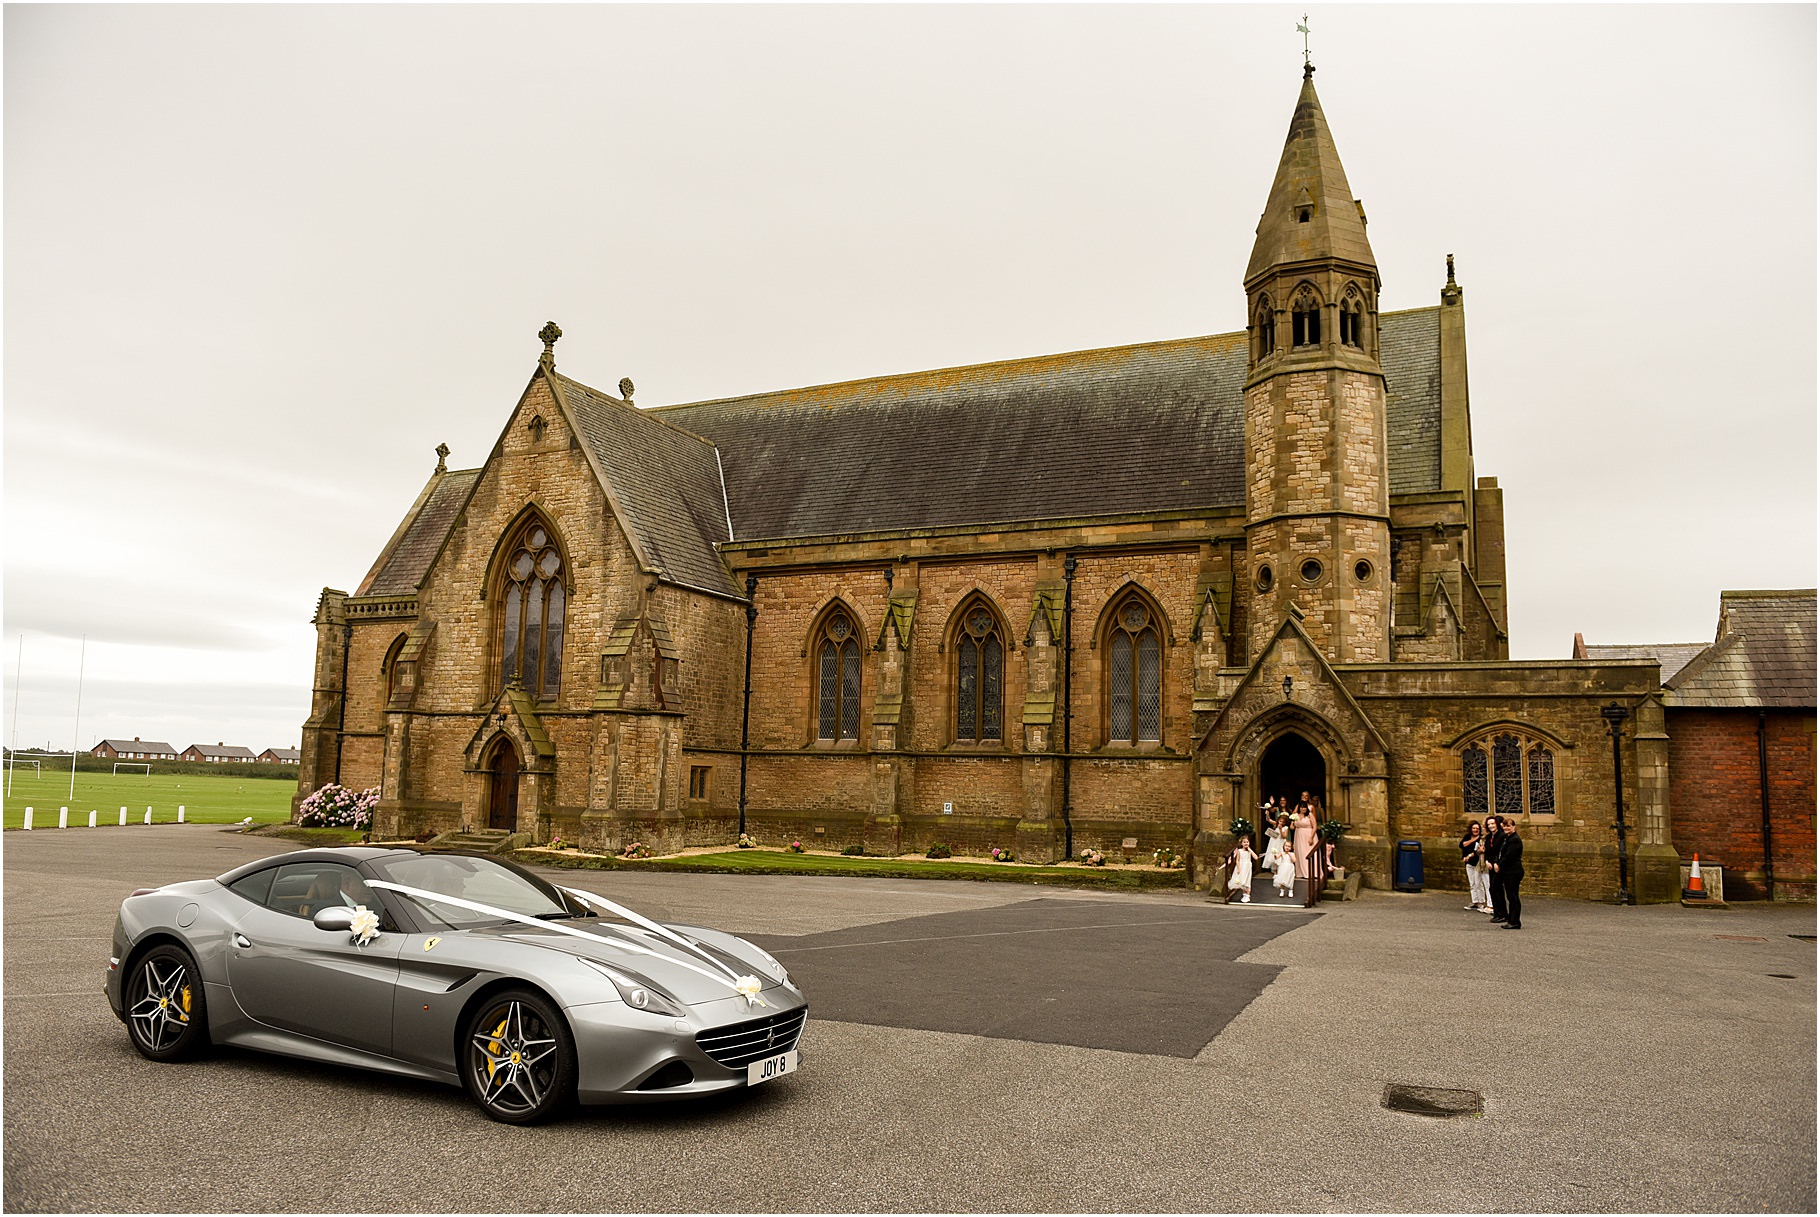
336,806
746,841
636,849
1002,855
1241,827
940,849
1167,858
795,847
854,851
1092,857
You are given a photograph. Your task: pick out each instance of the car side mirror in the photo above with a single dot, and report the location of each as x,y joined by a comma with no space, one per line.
336,919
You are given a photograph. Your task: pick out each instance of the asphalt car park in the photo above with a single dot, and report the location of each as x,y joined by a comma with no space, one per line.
988,1047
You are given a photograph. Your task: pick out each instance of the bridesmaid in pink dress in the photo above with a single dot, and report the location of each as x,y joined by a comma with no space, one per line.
1304,834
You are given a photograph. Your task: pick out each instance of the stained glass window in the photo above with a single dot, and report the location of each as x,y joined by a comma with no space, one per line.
837,680
1134,675
1541,782
979,676
530,614
1476,779
1507,775
1517,777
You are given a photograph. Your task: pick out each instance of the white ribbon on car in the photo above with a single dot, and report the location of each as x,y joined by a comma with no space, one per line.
745,986
365,925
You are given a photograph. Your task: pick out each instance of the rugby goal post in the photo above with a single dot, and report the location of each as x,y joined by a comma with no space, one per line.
143,766
14,760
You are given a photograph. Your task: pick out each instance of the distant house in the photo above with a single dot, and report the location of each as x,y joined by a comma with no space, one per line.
134,749
218,754
280,756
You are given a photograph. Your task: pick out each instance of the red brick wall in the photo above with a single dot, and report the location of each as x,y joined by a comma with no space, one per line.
1715,800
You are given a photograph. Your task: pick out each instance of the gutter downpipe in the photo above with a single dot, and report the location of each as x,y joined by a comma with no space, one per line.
745,714
1067,699
1769,864
341,713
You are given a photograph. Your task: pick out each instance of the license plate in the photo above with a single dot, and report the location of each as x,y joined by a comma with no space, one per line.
772,1067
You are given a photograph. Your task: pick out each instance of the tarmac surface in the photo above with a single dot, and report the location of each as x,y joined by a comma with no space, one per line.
983,1047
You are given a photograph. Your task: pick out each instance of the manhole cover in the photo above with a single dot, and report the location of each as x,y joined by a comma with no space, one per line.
1739,938
1433,1101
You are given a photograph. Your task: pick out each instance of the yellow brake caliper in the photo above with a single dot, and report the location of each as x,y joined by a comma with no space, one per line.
493,1047
186,1003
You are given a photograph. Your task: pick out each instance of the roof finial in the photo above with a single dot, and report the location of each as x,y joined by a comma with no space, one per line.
625,387
549,333
442,458
1307,64
1450,281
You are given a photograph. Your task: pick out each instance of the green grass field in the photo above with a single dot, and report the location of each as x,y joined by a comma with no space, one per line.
205,799
774,862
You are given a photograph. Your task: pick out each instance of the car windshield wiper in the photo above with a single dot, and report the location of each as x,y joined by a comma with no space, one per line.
556,916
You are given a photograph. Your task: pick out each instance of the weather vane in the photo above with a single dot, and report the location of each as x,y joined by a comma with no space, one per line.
1302,29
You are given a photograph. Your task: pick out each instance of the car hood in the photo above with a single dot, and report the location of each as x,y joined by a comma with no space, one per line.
631,950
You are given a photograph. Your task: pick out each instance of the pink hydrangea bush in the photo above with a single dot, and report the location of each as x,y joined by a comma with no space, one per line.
336,806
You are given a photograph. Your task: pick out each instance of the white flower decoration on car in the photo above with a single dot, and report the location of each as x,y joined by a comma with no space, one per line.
365,926
748,987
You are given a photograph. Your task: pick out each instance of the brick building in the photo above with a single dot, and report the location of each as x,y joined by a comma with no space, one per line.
1740,716
217,754
134,749
1047,603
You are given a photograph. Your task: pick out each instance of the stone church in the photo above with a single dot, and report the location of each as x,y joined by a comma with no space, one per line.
1045,604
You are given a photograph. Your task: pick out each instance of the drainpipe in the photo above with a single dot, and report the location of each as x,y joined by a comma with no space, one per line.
745,715
1769,864
1067,698
341,713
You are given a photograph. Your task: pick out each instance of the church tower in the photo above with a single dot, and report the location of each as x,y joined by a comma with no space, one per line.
1317,494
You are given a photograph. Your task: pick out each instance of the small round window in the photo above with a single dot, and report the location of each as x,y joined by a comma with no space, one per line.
1266,580
1361,570
1311,571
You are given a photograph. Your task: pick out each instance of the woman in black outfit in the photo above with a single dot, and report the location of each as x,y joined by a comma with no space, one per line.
1508,873
1494,845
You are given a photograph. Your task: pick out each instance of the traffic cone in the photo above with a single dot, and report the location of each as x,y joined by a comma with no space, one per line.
1695,889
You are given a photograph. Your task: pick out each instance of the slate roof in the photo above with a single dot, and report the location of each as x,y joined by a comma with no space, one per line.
1673,656
666,480
1120,430
402,568
137,745
232,751
1764,655
284,754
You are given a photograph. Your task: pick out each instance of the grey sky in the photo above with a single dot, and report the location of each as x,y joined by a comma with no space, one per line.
260,260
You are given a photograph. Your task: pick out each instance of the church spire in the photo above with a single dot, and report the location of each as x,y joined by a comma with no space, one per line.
1311,214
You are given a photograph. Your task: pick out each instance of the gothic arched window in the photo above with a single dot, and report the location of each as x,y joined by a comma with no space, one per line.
389,669
1509,774
1266,328
979,675
1305,314
1134,674
836,653
1352,321
531,601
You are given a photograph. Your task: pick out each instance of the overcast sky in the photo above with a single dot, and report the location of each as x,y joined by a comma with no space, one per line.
259,261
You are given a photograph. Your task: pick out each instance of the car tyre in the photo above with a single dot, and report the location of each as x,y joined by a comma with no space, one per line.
518,1058
165,1015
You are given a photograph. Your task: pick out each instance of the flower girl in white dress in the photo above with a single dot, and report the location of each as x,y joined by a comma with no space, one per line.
1284,878
1238,873
1277,847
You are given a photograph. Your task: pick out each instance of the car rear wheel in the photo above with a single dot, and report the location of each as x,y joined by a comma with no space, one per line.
518,1059
164,1012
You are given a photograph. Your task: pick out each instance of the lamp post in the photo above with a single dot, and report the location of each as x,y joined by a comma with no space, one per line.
1288,684
1614,716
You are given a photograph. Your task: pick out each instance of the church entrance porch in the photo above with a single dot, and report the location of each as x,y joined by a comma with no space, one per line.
1289,767
502,787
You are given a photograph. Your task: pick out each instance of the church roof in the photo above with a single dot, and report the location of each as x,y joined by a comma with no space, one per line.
1309,176
665,481
1671,656
1764,655
404,562
1159,426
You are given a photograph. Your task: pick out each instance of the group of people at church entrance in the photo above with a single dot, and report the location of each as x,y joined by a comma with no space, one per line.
1294,851
1493,855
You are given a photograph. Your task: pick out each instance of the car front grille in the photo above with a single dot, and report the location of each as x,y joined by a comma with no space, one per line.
743,1043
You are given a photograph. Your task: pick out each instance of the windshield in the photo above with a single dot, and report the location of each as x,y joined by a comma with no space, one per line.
481,880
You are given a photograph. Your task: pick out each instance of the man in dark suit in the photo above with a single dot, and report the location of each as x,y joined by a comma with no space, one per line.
1494,844
1507,874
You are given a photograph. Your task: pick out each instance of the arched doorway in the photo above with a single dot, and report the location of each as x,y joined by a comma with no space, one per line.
502,792
1289,766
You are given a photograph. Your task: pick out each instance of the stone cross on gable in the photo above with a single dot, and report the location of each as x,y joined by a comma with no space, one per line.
442,458
549,333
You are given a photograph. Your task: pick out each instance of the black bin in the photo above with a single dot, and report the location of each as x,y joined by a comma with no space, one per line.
1409,866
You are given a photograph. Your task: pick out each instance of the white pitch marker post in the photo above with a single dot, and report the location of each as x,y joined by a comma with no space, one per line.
180,813
123,817
91,819
28,819
63,817
148,815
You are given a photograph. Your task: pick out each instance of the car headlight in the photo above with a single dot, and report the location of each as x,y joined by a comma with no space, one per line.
640,995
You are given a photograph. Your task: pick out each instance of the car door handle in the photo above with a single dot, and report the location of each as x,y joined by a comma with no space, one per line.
241,940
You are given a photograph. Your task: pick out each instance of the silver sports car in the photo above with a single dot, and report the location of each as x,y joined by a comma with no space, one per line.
456,968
